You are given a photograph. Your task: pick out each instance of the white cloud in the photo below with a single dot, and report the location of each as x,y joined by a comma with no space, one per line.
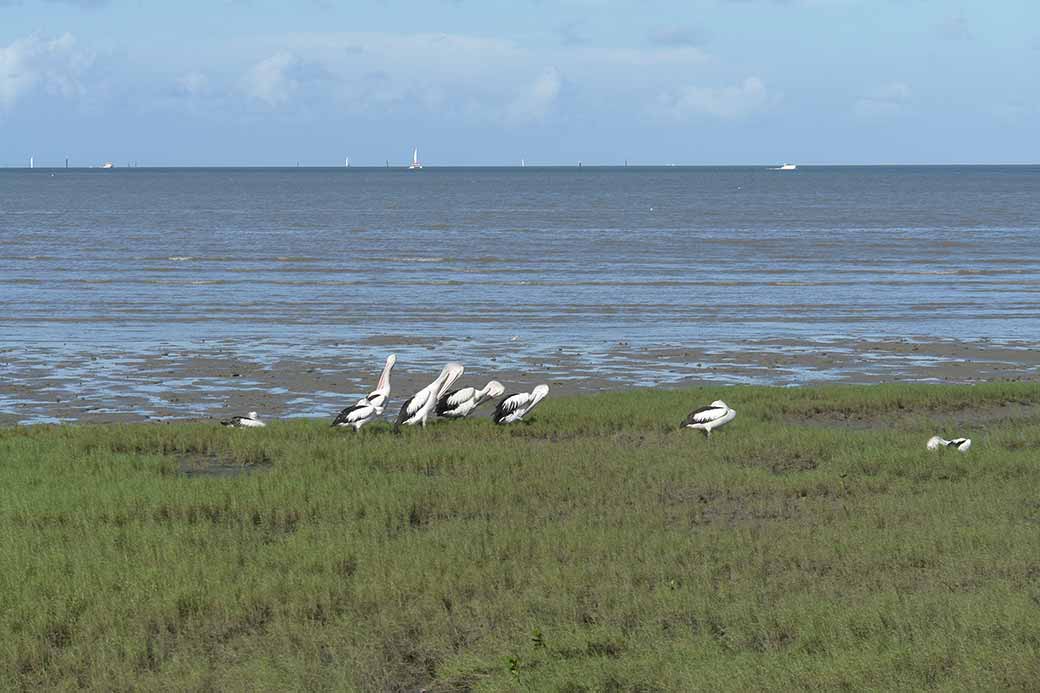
272,80
55,65
473,79
537,99
889,100
730,102
193,84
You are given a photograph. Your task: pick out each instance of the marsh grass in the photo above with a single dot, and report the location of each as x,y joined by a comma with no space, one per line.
813,543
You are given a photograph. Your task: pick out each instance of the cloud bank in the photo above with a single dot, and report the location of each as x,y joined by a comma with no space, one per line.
55,65
736,101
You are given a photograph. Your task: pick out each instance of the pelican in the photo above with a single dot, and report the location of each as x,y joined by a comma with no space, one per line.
458,404
515,407
249,421
419,406
959,444
371,406
710,417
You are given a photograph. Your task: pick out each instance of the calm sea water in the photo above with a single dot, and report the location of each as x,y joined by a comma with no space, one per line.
645,255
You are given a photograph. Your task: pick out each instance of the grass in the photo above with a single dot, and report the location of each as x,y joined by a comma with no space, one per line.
813,543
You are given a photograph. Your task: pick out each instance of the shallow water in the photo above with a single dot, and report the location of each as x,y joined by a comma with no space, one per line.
455,263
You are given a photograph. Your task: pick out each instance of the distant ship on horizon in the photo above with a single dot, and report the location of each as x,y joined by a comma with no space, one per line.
415,165
785,167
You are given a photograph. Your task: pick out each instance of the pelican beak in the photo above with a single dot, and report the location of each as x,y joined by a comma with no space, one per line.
451,373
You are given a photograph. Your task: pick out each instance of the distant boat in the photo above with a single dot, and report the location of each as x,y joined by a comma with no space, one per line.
523,164
785,167
415,165
108,164
346,164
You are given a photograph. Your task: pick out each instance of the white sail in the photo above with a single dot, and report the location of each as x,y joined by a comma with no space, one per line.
415,160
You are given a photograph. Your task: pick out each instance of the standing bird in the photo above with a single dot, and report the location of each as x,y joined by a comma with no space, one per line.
959,444
515,407
369,407
458,404
710,417
249,421
419,406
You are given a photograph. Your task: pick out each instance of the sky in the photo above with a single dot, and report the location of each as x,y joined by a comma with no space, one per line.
491,82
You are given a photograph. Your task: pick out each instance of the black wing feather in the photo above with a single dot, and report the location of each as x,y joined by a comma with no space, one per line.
343,416
442,404
404,412
692,418
505,407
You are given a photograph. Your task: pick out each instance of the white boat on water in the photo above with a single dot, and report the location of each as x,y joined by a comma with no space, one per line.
107,164
415,165
785,167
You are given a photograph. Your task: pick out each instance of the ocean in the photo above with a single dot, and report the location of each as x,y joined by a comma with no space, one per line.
274,264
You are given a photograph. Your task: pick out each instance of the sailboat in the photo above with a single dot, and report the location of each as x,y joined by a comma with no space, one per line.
415,165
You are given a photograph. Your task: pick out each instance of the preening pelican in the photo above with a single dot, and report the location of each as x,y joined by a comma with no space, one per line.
419,406
959,444
371,406
710,417
515,407
249,421
458,404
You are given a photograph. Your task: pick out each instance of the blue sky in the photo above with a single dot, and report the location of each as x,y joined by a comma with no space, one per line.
258,82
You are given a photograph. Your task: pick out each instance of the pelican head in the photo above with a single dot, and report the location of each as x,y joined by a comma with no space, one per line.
383,385
538,394
720,403
449,374
252,415
493,389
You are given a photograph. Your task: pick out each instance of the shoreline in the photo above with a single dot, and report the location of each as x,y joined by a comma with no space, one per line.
209,380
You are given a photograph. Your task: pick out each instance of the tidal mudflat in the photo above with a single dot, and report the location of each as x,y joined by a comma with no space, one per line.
207,380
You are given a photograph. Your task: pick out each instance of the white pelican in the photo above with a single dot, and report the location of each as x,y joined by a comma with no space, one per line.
419,406
249,421
959,444
371,406
458,404
710,417
515,407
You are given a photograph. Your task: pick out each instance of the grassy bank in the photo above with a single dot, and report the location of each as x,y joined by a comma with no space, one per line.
812,543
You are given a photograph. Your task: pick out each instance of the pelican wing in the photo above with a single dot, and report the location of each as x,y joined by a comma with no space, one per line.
453,400
705,414
511,403
353,414
412,406
242,422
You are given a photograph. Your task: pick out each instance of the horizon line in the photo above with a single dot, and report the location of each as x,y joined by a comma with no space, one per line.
405,166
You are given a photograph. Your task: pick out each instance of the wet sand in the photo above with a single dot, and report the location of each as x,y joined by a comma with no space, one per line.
210,380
